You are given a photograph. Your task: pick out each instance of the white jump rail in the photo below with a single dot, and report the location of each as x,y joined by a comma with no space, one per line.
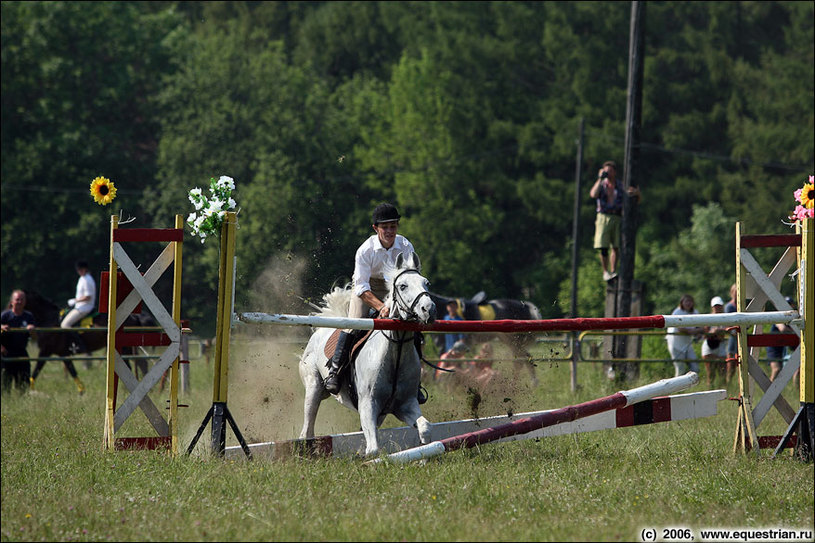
653,321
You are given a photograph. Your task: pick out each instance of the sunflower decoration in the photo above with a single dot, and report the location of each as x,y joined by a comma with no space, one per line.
805,196
103,190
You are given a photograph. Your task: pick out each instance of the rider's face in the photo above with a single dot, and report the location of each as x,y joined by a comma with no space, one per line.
386,231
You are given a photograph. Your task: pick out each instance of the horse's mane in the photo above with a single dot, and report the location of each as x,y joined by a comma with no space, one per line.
336,302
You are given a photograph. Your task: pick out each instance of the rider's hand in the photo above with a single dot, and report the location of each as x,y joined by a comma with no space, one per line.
384,311
72,302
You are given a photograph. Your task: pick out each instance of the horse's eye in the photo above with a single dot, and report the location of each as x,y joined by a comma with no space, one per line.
402,287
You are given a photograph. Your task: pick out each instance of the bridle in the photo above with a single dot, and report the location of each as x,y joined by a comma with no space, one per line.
408,309
401,337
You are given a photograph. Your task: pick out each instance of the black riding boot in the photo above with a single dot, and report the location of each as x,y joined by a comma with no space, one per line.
332,382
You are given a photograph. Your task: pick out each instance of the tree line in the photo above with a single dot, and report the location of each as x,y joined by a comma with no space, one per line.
463,114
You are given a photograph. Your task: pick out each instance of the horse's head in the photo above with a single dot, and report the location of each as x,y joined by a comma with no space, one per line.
44,310
408,296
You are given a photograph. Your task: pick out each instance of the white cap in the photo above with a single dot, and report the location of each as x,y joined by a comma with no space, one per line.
716,300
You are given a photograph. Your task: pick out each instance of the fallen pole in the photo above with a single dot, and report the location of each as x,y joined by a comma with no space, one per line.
694,405
509,325
522,426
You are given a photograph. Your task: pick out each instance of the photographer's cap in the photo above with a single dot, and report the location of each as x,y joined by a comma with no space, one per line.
385,213
716,300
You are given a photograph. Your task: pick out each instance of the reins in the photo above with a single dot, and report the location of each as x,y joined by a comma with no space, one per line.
400,337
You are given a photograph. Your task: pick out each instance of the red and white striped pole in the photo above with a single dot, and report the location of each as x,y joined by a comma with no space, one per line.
561,325
549,418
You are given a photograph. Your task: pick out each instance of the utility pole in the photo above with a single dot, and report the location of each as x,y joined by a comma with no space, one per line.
631,172
578,173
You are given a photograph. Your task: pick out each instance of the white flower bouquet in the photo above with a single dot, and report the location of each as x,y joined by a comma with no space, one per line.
209,212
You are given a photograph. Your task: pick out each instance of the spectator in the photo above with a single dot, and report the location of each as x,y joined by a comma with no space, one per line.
452,315
733,340
714,347
14,343
680,339
608,191
452,361
481,368
83,304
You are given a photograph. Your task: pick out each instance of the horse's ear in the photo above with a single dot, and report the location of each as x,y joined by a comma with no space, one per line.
416,262
400,261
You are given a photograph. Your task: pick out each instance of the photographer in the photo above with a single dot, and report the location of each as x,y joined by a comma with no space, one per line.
608,192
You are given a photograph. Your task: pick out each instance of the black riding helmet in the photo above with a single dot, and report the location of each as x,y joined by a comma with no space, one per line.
385,213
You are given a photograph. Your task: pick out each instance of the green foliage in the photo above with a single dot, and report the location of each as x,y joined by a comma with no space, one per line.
77,78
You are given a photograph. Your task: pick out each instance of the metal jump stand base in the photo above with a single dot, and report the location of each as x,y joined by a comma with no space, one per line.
218,412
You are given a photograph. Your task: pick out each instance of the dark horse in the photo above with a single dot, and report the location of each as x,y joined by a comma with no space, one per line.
64,344
477,309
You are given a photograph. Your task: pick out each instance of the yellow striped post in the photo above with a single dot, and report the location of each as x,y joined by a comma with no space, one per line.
173,419
110,398
219,412
746,438
806,307
226,292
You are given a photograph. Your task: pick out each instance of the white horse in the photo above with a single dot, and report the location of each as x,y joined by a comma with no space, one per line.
387,371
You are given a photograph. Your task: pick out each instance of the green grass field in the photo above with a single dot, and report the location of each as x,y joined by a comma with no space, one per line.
58,484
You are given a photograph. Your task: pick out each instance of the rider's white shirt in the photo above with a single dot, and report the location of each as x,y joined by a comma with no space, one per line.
86,286
371,260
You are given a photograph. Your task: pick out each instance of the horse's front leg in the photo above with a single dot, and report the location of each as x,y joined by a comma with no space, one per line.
412,416
423,427
368,414
311,403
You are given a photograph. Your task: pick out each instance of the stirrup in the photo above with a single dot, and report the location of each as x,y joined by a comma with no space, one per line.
332,382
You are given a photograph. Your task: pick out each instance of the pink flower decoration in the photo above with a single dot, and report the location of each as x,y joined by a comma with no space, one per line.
800,213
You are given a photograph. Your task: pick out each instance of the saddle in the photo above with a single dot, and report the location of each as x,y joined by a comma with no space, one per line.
331,344
348,376
84,322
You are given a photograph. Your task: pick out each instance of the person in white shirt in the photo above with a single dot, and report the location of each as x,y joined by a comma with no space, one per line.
85,299
369,286
680,340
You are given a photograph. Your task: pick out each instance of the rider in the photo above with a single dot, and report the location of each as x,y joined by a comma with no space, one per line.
84,302
369,281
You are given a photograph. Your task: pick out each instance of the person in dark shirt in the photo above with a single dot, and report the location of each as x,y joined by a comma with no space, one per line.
14,343
608,191
452,315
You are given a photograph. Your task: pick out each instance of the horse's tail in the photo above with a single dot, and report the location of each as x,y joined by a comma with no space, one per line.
337,302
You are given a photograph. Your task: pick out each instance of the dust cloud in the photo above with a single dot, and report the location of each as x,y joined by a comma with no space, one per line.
265,391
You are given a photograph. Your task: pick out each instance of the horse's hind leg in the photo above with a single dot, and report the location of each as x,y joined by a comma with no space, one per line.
37,369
